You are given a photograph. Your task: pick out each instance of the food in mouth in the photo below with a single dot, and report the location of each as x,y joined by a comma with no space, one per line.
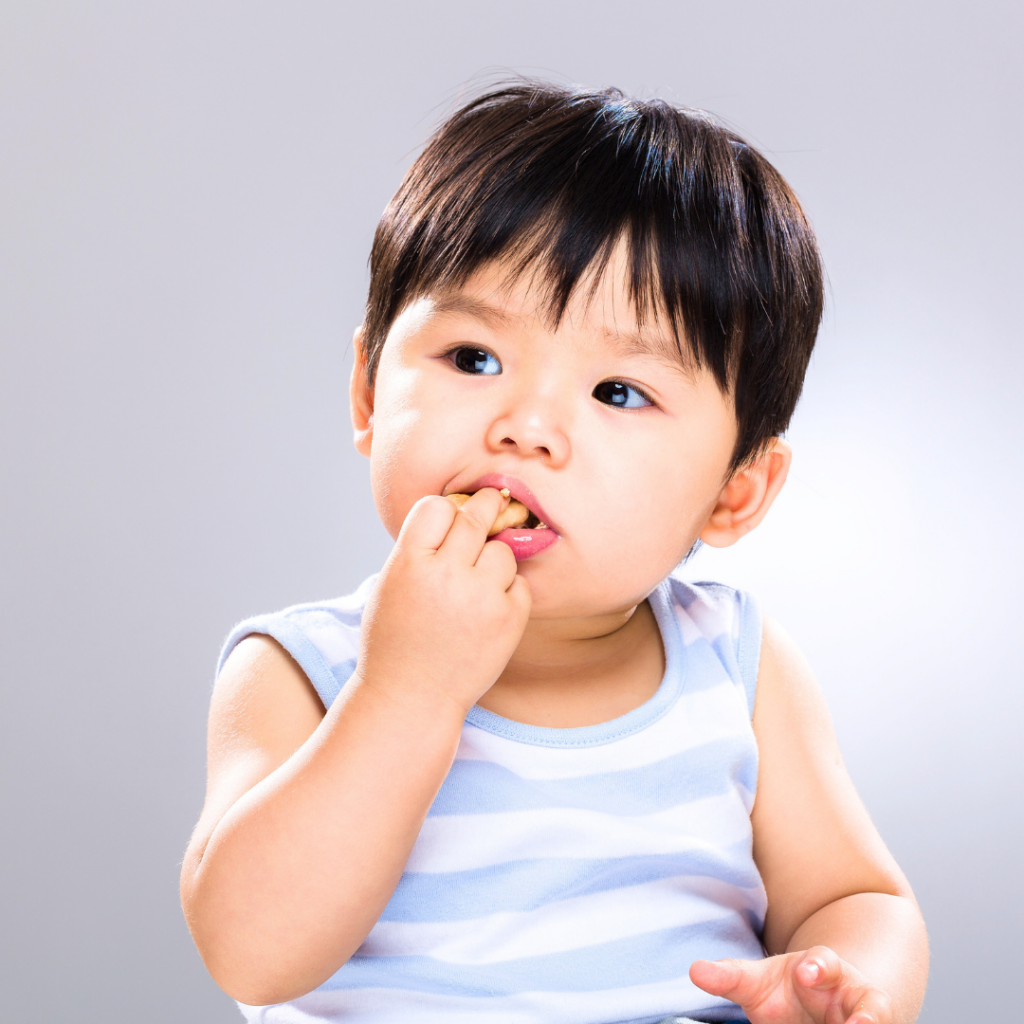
515,516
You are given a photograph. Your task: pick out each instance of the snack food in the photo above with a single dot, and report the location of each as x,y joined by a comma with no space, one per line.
514,516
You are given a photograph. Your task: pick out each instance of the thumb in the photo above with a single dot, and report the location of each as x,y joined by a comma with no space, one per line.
743,981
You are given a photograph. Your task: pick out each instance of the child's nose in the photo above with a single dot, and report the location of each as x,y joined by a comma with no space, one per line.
531,428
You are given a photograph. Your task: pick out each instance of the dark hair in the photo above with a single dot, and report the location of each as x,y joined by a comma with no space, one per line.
540,175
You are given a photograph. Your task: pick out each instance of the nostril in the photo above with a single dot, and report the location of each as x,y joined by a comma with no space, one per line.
540,449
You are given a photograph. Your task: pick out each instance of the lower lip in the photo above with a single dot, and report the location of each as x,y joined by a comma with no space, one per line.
527,543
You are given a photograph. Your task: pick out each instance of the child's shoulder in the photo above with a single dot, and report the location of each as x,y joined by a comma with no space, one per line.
321,636
724,617
712,608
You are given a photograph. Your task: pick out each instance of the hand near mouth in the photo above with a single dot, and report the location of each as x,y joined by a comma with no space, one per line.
516,525
514,515
449,609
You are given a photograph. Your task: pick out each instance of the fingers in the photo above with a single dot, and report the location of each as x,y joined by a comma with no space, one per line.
497,559
468,533
873,1007
521,595
433,520
427,523
821,970
742,981
826,987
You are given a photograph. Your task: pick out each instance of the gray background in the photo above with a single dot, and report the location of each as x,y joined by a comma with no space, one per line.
187,196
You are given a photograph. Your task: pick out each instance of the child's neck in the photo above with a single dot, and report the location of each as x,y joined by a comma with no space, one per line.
565,675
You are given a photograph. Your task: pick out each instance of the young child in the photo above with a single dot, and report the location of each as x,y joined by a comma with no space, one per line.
540,777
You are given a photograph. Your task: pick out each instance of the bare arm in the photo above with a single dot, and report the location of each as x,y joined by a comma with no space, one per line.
310,817
833,888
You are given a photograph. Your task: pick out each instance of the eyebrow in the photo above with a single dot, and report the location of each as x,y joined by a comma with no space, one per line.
453,303
655,345
641,343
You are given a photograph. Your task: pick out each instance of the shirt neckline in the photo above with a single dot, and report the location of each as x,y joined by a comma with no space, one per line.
633,721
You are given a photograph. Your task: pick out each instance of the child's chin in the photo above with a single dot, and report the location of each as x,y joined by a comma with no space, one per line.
527,543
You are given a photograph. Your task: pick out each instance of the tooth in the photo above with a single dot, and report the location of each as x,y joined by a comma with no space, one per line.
505,492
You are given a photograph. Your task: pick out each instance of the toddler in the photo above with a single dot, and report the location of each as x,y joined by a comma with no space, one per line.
538,776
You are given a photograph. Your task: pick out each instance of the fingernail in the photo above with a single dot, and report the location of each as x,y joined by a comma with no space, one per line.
813,972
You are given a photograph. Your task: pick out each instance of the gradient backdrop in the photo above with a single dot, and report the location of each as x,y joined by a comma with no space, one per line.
187,196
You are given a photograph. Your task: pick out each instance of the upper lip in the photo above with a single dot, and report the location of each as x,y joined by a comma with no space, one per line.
516,488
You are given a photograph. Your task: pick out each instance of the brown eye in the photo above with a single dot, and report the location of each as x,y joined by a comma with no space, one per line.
475,360
614,392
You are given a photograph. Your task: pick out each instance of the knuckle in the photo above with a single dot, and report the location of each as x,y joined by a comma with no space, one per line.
474,518
502,553
883,1005
426,503
435,505
423,513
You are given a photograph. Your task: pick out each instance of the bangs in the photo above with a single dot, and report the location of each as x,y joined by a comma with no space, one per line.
550,181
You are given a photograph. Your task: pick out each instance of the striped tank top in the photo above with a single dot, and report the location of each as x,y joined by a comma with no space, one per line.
567,876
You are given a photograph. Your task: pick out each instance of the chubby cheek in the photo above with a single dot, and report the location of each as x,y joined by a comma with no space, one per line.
389,484
399,431
665,499
414,449
631,556
599,571
632,532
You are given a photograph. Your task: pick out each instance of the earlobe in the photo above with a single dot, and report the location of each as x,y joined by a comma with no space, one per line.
360,397
747,496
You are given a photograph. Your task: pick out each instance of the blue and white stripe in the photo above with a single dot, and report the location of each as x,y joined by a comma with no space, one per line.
567,875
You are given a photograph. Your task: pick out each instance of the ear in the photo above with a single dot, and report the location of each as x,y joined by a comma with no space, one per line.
360,396
747,496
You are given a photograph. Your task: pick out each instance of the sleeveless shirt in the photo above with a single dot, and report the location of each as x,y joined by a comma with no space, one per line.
565,875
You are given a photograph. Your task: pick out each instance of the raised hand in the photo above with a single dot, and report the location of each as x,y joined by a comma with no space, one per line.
448,610
814,986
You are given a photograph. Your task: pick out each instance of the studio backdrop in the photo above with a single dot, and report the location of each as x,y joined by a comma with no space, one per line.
188,193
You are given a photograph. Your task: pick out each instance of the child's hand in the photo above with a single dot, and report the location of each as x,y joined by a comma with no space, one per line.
448,609
811,987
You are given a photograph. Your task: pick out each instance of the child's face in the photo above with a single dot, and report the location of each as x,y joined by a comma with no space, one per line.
602,427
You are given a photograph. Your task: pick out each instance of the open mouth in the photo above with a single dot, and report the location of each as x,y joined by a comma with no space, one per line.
518,526
516,517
